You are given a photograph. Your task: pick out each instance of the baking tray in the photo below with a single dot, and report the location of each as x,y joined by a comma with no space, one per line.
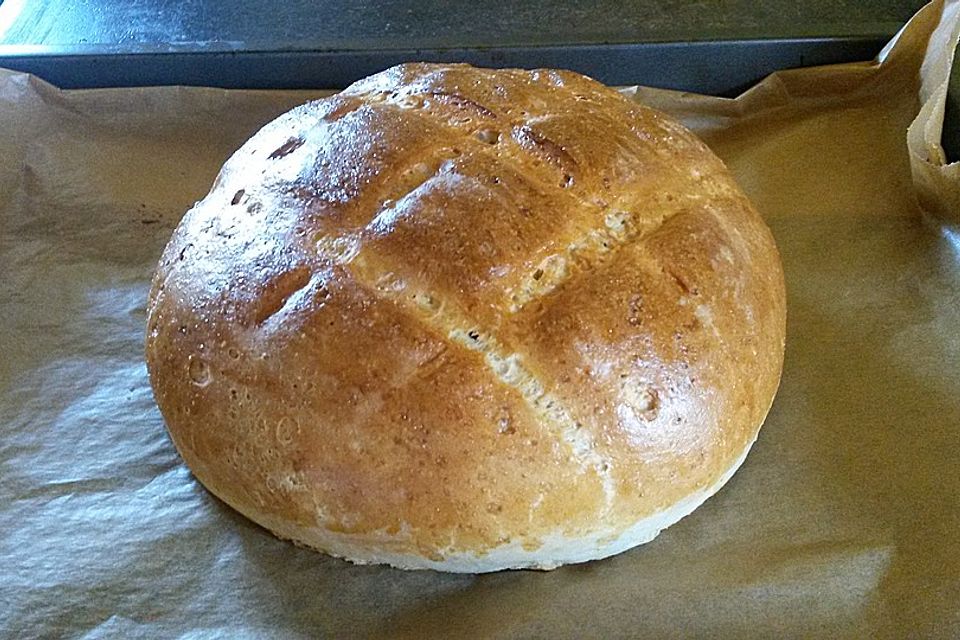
710,67
704,47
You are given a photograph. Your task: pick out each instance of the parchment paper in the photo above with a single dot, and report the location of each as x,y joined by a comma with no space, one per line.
843,522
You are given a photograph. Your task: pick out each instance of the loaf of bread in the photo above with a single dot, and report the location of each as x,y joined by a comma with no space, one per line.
468,320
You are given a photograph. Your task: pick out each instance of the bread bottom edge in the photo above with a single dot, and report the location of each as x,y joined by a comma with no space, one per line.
556,550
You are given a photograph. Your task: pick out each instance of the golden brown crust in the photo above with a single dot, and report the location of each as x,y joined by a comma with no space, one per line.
463,308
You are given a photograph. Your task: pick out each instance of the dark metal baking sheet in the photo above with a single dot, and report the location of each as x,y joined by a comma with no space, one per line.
719,67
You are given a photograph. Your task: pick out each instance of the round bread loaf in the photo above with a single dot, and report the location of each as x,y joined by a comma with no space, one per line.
468,320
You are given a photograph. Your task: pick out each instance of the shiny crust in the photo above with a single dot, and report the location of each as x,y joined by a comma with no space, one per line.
451,311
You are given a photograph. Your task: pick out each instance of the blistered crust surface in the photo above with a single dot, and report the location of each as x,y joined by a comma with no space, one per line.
454,310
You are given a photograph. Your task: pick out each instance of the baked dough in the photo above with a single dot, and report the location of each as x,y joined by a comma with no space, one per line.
468,319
